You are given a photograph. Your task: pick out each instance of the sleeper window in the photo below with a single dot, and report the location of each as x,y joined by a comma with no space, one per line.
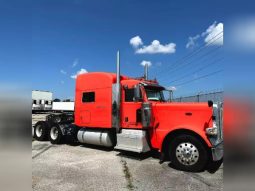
88,97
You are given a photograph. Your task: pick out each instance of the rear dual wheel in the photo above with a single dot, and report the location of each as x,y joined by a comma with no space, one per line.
40,131
55,134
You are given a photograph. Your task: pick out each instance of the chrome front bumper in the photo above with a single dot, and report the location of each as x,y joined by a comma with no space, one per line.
217,152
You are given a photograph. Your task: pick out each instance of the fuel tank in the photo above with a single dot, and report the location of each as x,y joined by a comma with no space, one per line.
96,137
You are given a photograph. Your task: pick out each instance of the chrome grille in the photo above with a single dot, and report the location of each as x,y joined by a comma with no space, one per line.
221,120
218,113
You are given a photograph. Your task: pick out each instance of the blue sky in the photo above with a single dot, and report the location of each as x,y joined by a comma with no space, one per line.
39,39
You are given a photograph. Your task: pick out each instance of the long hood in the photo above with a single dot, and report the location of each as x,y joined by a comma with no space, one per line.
182,115
181,106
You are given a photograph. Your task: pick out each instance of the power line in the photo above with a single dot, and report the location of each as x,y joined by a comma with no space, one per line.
187,63
173,68
198,70
212,40
204,76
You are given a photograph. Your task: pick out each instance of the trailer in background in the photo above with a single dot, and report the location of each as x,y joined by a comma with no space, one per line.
63,106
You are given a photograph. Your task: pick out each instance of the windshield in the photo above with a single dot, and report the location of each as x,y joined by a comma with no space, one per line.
154,94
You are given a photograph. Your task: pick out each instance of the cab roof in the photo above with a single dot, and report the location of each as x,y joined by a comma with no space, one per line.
105,79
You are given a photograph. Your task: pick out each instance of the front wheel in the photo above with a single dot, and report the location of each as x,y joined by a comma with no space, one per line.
55,135
188,153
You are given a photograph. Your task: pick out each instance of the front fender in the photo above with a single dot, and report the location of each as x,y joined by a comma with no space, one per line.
162,135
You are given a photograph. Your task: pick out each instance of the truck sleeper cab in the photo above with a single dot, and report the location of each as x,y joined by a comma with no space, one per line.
189,134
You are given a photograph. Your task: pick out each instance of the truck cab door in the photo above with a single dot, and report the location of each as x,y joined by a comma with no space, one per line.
130,110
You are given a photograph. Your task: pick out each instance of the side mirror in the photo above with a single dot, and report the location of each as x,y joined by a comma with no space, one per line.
137,93
210,103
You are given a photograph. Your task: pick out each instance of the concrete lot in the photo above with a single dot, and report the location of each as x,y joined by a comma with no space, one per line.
84,167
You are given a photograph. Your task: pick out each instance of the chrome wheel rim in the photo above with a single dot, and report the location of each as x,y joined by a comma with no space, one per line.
54,133
187,154
38,131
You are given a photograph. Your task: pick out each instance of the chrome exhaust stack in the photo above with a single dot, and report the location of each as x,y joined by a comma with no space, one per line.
116,97
118,92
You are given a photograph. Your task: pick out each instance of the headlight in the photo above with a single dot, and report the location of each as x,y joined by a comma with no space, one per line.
212,131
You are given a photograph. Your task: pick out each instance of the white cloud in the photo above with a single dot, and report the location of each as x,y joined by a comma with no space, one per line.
81,71
155,47
192,41
144,62
173,88
136,41
214,34
63,72
75,62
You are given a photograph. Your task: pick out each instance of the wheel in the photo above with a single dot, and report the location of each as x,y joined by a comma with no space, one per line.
55,135
40,131
188,153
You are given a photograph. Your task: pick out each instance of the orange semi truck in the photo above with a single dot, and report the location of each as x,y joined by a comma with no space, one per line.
131,114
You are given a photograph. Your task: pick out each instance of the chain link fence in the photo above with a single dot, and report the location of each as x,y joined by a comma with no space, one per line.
217,96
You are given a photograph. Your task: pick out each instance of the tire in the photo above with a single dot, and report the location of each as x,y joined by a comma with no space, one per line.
40,131
213,166
188,153
55,134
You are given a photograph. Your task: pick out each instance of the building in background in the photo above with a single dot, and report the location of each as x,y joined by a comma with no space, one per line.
42,100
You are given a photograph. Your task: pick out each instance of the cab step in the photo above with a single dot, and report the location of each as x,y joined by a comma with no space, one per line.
132,140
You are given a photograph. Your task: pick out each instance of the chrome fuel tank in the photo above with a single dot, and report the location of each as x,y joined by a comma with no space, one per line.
95,137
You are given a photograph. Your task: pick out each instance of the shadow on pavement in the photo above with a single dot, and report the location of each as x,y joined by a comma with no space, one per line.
96,147
212,167
138,156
